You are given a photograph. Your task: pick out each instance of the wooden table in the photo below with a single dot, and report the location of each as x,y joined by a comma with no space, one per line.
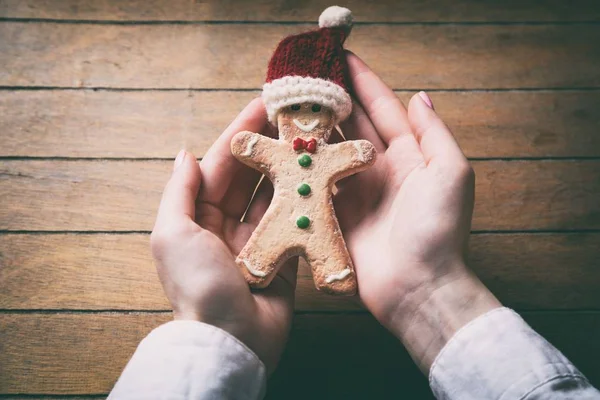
96,98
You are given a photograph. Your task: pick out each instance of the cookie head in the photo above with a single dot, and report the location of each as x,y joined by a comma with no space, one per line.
305,120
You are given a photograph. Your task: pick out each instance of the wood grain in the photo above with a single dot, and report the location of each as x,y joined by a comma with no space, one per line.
467,52
43,354
115,272
235,56
53,397
285,10
87,123
124,195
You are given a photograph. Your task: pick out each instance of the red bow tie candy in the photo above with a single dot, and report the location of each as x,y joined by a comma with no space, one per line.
308,145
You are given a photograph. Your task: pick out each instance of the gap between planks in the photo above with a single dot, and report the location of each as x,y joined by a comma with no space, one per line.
234,90
382,11
66,158
146,232
527,311
309,23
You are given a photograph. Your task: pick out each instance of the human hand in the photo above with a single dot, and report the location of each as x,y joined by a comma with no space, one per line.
198,233
407,219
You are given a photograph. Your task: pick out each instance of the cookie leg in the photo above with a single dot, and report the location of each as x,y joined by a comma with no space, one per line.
332,267
264,253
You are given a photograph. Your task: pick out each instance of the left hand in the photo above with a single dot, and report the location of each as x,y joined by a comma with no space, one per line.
197,234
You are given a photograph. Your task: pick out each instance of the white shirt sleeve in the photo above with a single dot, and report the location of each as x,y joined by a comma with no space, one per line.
498,356
183,360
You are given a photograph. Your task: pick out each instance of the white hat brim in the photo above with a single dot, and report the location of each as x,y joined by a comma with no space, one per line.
284,92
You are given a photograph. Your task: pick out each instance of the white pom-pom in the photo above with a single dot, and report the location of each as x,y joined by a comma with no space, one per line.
335,16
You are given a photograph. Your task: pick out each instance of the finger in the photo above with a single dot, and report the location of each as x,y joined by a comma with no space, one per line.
219,167
380,103
362,189
260,202
238,195
277,300
240,232
244,183
358,194
289,273
335,137
435,139
179,197
359,126
281,291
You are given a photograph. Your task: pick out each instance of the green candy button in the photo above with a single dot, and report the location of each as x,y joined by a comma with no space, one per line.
304,160
304,190
303,222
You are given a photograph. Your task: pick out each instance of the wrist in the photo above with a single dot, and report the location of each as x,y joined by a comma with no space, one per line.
427,318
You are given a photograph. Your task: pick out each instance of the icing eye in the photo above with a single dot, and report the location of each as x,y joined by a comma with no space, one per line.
316,108
295,107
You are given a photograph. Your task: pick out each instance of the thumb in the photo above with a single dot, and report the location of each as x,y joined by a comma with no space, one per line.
281,290
178,202
435,139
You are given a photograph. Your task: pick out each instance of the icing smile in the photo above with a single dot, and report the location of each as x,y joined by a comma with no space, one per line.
306,127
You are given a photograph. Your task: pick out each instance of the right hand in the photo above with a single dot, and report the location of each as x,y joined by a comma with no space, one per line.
407,219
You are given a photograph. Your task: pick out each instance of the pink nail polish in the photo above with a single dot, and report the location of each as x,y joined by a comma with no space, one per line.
179,159
426,99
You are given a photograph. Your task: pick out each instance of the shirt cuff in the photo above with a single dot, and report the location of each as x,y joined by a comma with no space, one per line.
497,356
191,360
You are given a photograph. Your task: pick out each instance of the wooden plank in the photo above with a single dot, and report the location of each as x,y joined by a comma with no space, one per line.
115,272
54,397
235,56
281,10
99,195
43,354
530,195
103,272
124,195
86,123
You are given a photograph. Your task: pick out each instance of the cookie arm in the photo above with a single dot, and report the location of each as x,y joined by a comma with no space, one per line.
352,156
253,149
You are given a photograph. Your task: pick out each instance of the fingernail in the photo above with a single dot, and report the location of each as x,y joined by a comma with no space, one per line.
426,99
179,159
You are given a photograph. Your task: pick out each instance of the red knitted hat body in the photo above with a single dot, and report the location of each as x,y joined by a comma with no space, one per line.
316,54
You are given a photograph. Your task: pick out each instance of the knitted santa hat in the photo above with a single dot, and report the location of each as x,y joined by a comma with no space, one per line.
311,67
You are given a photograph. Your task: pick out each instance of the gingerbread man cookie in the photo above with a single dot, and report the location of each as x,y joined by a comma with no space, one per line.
306,98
